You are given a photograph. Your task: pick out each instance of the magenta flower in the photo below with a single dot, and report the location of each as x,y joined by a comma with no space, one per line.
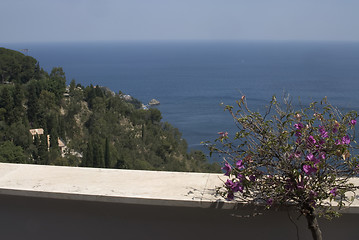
239,164
234,186
222,134
237,187
270,201
346,140
334,191
311,140
229,184
308,169
227,168
352,122
298,126
321,129
297,154
323,133
311,157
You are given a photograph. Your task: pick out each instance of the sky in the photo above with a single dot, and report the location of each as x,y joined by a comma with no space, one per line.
141,20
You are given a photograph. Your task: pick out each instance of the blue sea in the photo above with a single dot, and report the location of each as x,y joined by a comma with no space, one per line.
192,79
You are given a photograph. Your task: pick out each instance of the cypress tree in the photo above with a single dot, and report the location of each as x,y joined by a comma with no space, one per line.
98,156
107,154
43,150
18,97
89,155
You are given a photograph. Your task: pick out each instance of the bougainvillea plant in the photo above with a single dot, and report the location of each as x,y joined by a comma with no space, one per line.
300,158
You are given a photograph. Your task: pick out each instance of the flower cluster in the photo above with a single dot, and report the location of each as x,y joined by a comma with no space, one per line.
297,157
236,184
319,141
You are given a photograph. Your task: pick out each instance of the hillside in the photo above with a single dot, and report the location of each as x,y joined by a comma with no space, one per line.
79,125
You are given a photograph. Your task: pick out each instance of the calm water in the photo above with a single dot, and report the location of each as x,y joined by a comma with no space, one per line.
191,79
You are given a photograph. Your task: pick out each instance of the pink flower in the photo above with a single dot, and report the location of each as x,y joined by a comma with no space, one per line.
239,164
311,140
234,186
223,135
352,122
308,169
237,187
298,126
227,168
346,140
310,157
323,133
334,191
297,154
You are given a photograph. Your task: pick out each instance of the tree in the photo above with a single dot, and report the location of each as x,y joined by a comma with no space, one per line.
19,98
88,161
155,115
107,154
72,86
299,158
98,156
57,82
16,67
33,93
43,150
11,153
7,103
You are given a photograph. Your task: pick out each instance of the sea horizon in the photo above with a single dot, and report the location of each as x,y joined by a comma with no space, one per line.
191,79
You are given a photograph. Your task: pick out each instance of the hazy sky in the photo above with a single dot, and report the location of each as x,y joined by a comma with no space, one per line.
113,20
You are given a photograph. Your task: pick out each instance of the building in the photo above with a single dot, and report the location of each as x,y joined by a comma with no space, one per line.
37,131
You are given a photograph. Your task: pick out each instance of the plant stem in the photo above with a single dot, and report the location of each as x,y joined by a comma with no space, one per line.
313,224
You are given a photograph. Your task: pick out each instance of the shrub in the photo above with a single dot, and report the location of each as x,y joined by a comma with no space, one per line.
302,158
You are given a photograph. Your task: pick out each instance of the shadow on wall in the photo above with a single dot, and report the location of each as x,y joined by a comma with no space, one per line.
40,218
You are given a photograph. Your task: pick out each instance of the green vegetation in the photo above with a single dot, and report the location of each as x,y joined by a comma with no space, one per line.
98,127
